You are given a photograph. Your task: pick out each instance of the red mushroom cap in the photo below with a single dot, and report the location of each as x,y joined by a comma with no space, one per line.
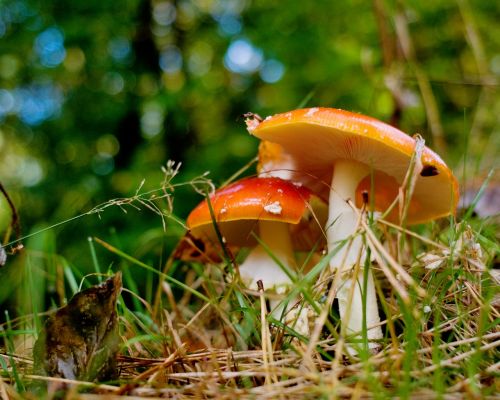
313,139
238,206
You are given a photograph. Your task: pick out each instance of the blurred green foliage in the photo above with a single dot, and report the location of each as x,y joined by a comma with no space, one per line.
96,96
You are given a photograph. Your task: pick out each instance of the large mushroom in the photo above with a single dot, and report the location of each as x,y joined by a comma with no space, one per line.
285,218
340,154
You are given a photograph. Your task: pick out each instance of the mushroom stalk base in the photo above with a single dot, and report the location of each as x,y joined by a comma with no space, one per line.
259,265
342,223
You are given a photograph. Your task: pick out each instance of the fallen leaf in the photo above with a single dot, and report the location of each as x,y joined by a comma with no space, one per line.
81,340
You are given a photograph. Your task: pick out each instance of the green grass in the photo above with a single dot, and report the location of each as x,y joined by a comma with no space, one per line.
192,330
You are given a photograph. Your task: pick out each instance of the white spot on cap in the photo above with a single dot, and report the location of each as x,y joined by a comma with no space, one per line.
312,111
268,118
280,190
223,210
288,115
274,208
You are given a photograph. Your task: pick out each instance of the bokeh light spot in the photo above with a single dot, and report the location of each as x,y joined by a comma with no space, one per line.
229,24
152,120
6,102
37,103
75,59
9,65
102,164
49,47
200,59
113,83
171,60
108,144
242,57
31,172
120,49
164,13
272,71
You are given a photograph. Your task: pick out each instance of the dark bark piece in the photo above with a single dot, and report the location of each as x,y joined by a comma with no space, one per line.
81,340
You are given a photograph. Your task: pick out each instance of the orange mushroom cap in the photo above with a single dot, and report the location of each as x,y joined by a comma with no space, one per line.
238,206
314,138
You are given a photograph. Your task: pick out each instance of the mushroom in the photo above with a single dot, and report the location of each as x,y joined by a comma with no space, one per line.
339,154
285,217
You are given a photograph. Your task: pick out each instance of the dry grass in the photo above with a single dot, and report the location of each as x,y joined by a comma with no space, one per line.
442,341
204,335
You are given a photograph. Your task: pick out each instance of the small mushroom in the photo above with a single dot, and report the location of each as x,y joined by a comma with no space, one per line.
339,155
284,216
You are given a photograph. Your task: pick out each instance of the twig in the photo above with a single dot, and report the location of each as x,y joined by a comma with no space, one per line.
387,272
450,361
392,262
3,390
267,347
167,362
15,224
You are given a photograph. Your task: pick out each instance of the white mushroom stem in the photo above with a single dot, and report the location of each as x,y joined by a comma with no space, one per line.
342,223
259,265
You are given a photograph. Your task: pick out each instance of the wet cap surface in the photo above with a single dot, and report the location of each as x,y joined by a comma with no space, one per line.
239,206
315,138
